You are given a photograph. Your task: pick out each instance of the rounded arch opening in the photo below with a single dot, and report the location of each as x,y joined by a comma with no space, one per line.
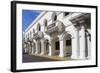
68,44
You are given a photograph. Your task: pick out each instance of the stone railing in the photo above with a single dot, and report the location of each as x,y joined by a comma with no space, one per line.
51,25
55,27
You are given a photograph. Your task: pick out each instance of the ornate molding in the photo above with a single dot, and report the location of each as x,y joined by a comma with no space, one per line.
80,20
55,27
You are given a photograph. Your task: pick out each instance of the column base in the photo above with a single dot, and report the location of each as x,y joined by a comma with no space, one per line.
75,57
61,55
50,54
42,53
83,58
36,52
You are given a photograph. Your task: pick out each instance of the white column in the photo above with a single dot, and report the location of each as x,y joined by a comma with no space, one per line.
37,47
43,47
89,47
82,43
33,47
25,48
51,47
62,46
75,45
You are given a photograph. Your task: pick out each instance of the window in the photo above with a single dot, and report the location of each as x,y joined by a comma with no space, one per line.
66,13
54,17
30,33
45,22
38,27
33,31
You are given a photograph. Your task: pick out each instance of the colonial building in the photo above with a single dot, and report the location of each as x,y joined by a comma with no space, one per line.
65,34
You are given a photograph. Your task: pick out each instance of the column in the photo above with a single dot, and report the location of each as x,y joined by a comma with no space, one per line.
33,47
82,43
75,45
62,46
51,47
37,47
89,47
25,48
43,47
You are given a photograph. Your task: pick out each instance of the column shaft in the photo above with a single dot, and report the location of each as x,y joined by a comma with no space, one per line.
43,47
89,47
62,48
82,43
51,47
75,45
37,47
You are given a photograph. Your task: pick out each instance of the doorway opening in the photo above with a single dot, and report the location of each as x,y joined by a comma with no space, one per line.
68,46
57,45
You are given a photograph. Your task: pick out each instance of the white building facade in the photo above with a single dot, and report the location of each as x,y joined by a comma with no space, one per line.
65,34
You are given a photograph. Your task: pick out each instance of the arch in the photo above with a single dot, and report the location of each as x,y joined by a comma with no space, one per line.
54,16
68,44
30,34
67,35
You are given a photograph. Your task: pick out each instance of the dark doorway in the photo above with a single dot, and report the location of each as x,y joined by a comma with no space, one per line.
57,46
68,42
68,47
47,48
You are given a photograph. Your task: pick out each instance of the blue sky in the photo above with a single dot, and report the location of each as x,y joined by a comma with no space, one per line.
28,16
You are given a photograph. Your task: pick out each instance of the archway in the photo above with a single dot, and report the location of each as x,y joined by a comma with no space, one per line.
68,45
47,46
56,46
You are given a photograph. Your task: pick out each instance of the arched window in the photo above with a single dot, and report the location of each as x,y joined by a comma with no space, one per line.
30,33
54,16
33,31
45,22
38,27
66,13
